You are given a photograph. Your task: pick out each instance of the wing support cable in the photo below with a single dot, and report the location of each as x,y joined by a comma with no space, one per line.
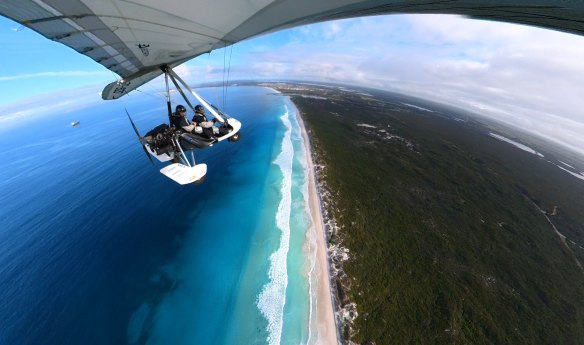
228,70
226,67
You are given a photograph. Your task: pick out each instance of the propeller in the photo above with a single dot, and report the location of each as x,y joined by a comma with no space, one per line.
139,137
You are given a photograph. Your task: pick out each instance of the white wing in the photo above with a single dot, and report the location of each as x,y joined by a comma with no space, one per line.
133,38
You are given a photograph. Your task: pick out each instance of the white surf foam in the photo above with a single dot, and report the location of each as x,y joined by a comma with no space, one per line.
417,107
310,238
566,164
516,144
581,177
312,97
272,299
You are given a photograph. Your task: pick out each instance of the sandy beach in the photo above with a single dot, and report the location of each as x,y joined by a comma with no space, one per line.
323,327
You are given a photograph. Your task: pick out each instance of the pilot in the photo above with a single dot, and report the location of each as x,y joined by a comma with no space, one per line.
201,120
179,119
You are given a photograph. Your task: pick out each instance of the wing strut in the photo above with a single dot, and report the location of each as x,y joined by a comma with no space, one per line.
174,77
168,106
167,75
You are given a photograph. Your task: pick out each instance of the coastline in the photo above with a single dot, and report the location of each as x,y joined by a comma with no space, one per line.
323,328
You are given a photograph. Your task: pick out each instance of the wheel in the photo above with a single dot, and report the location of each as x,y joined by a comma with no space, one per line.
235,137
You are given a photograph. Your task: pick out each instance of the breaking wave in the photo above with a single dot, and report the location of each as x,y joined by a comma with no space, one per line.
272,299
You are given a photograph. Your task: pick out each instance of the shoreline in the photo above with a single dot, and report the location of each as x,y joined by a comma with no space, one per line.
323,327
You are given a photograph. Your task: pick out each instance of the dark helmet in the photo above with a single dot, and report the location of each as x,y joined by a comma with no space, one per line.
199,109
180,108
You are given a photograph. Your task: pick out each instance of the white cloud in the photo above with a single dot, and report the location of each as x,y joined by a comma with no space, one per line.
523,76
451,29
331,29
37,107
526,77
183,71
57,74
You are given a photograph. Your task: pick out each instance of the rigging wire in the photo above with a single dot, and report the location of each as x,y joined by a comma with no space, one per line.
217,91
228,69
224,63
150,94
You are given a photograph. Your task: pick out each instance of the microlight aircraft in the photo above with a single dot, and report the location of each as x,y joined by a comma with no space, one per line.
170,143
142,39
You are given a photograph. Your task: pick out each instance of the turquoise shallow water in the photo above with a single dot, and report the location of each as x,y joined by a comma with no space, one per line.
298,299
97,247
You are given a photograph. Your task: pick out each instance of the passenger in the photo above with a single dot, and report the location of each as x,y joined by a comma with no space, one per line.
201,120
179,119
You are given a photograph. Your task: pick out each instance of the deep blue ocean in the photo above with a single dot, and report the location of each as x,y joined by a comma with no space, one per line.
98,247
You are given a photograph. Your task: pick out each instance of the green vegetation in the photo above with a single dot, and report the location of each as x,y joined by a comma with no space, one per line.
447,244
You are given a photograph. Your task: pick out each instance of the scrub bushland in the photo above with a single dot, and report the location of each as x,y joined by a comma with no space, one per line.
447,227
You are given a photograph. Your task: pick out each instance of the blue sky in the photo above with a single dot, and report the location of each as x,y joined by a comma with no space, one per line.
33,65
526,77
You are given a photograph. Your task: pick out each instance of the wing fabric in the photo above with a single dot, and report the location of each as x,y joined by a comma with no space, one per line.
134,38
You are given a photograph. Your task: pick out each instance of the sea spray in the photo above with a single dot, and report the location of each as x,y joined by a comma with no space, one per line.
272,299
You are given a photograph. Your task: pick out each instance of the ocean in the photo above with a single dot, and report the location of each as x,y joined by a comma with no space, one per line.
98,247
